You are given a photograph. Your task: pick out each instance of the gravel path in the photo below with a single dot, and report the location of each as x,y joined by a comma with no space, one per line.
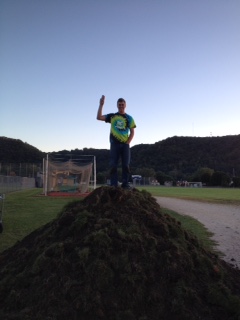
222,220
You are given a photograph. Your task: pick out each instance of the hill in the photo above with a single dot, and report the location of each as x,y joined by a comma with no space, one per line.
178,157
188,154
114,255
16,151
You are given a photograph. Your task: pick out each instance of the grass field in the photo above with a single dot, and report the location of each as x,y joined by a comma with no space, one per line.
217,195
25,211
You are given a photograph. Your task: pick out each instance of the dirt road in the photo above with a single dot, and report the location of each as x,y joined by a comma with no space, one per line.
222,220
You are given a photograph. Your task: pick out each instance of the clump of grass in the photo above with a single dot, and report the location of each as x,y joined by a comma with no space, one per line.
115,255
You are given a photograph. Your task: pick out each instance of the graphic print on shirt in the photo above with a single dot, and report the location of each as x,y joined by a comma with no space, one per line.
119,124
119,128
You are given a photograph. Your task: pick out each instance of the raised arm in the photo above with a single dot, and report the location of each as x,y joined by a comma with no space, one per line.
99,113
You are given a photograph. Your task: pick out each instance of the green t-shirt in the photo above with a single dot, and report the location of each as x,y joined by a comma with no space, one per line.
120,126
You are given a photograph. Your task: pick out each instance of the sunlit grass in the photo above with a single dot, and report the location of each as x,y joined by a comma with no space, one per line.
25,211
219,195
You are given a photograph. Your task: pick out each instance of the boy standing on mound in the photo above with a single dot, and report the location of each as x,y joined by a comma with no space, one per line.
121,134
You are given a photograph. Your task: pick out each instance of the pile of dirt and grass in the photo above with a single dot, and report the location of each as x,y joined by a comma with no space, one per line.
114,256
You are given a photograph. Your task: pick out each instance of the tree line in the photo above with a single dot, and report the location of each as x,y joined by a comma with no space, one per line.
212,160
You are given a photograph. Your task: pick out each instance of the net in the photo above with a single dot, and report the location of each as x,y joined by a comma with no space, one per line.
67,177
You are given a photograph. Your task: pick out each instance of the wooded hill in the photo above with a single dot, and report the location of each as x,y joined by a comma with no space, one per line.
176,157
186,155
16,151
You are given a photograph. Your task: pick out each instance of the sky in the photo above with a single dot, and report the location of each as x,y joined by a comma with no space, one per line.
175,62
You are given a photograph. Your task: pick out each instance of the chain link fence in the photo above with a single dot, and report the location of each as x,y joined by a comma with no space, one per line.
29,170
14,183
19,176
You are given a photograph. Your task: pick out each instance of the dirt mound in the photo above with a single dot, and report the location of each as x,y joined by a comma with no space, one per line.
115,256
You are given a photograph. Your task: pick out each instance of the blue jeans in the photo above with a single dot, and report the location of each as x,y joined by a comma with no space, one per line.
117,151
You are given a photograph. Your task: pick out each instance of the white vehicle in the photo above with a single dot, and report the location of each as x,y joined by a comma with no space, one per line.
136,177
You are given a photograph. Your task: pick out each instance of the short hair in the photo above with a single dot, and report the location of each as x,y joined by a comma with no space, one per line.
121,100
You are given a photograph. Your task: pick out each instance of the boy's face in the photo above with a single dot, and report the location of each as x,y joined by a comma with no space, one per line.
121,107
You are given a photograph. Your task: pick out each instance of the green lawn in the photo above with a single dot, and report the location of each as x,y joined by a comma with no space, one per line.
25,211
218,195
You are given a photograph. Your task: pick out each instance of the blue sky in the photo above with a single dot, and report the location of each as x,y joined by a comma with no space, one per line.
176,62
